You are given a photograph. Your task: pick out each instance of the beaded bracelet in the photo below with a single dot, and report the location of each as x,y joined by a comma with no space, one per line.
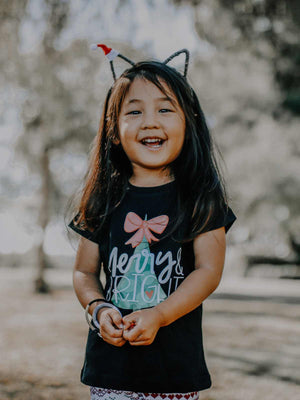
87,316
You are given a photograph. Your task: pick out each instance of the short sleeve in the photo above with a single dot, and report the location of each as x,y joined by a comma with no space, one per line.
83,232
225,219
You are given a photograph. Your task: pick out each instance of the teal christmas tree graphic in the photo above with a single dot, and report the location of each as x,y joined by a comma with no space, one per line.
138,287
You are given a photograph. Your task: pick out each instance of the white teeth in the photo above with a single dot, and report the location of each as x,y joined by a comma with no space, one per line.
152,140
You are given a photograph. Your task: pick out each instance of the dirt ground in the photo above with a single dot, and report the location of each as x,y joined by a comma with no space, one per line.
252,347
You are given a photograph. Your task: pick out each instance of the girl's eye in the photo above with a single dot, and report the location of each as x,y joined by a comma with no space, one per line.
137,112
134,112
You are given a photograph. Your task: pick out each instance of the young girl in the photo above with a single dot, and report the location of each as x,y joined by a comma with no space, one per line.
154,213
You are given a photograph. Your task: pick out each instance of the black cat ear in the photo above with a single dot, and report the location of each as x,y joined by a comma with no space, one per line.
187,58
111,54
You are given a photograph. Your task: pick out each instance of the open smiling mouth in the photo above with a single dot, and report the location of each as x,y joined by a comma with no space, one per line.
153,143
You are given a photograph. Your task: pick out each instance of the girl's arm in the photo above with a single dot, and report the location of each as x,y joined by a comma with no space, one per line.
209,249
88,287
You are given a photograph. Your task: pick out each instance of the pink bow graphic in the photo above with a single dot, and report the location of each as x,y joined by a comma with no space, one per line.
133,222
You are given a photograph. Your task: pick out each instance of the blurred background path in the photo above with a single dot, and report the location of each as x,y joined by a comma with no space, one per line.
252,344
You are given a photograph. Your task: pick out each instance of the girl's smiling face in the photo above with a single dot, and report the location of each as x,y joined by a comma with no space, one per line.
151,127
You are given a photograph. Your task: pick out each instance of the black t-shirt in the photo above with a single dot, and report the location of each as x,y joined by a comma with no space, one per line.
143,266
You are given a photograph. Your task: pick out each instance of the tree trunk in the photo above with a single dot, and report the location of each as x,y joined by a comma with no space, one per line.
40,284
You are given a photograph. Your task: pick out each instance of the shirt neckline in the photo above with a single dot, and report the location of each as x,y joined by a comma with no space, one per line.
151,189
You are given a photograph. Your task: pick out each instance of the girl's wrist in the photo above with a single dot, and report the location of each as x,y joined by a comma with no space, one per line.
89,311
162,320
99,313
94,305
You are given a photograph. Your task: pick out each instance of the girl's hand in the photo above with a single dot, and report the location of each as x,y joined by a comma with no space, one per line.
140,327
111,327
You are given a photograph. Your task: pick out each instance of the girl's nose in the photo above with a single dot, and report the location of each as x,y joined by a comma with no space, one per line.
150,120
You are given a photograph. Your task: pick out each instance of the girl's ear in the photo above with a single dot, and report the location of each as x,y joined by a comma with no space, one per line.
116,141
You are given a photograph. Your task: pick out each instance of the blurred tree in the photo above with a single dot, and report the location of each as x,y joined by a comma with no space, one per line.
277,22
53,119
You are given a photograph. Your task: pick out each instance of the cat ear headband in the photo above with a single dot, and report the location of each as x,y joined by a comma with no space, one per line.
111,54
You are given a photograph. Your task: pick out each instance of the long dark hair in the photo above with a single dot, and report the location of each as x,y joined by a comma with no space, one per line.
201,194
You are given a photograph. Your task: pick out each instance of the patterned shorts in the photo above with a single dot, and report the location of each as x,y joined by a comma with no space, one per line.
110,394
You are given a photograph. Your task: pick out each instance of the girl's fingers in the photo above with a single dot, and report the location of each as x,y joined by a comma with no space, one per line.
117,319
140,343
109,325
114,341
129,322
108,329
130,330
117,342
139,339
112,335
133,333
